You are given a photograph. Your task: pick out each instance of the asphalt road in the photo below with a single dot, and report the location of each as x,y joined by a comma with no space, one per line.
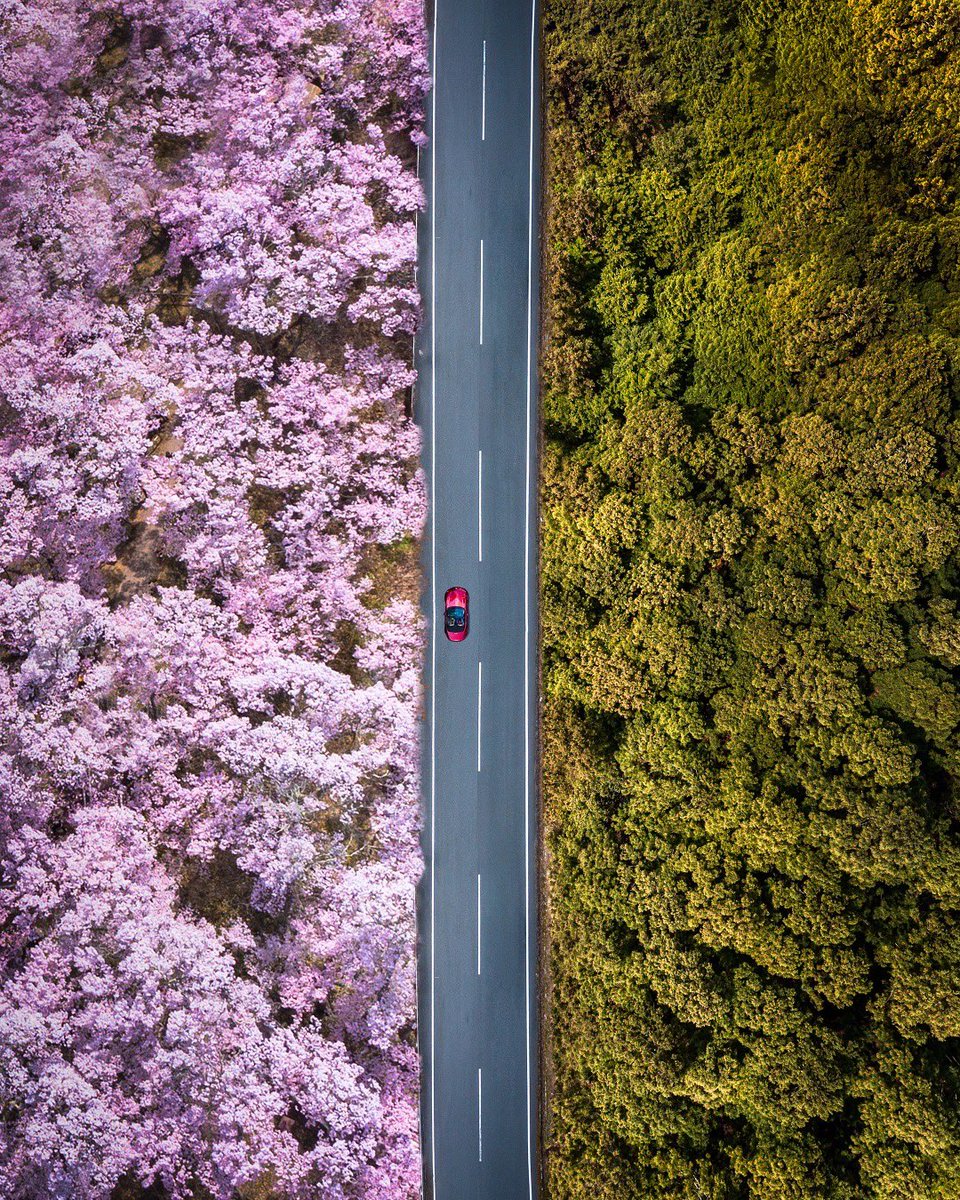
476,402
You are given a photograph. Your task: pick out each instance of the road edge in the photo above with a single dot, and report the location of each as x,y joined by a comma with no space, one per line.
541,926
423,955
541,853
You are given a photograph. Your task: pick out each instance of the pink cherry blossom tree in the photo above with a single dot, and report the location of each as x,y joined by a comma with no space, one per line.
209,637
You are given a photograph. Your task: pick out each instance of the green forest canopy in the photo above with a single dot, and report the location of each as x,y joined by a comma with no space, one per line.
749,598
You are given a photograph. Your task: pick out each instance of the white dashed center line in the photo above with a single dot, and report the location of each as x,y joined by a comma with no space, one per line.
483,97
479,1114
479,708
480,506
481,291
478,923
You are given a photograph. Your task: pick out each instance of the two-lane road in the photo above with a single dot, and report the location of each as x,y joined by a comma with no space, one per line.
476,403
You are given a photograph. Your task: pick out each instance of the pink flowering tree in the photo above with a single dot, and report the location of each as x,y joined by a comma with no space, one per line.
209,636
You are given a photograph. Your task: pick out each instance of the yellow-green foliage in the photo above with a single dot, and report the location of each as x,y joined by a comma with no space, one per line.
750,598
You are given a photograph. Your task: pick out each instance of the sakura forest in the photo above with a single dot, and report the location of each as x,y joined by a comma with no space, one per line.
742,981
210,502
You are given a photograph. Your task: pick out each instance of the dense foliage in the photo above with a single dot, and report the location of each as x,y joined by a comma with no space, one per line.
209,640
750,590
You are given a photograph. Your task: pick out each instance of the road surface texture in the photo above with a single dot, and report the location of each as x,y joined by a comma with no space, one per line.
476,402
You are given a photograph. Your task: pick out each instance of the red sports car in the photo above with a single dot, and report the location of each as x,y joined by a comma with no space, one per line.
456,614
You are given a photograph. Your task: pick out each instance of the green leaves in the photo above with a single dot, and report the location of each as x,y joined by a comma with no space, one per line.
750,572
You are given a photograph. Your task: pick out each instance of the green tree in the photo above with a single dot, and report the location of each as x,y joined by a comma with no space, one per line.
751,634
